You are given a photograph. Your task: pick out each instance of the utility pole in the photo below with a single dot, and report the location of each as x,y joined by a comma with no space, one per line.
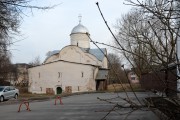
177,9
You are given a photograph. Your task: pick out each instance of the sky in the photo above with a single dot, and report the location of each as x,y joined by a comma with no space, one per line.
43,31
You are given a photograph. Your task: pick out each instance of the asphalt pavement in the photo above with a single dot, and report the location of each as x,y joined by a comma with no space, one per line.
81,107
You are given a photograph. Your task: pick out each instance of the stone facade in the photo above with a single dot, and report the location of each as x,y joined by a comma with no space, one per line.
62,74
74,68
80,40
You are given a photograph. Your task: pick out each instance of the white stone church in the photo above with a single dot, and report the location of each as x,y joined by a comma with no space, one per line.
74,68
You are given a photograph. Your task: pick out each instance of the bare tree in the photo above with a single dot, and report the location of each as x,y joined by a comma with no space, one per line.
147,37
36,61
115,62
4,69
11,12
149,34
138,51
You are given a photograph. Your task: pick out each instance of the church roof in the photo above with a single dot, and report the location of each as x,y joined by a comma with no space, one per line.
79,29
102,74
96,52
50,53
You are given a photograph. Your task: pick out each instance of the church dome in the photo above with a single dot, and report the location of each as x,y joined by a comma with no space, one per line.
79,29
80,36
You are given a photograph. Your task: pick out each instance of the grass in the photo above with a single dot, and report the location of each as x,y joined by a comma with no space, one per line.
118,87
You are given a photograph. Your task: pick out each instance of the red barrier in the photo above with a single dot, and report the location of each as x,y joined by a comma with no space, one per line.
58,98
25,102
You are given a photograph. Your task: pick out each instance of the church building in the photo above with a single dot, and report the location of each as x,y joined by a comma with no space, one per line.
74,68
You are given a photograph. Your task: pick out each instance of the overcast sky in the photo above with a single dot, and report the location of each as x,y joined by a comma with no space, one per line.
49,30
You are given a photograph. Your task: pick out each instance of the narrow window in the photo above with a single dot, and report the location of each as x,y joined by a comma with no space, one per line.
82,74
59,74
78,88
39,75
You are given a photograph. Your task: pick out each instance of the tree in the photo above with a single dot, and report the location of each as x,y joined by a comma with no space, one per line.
115,72
10,17
35,62
4,69
147,35
138,51
147,38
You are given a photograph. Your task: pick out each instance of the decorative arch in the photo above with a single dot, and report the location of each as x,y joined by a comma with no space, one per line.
58,90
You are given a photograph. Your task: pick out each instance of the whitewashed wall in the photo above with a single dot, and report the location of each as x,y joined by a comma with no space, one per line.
70,67
47,76
74,54
81,39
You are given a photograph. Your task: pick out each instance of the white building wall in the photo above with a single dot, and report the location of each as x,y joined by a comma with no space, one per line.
81,38
75,54
47,76
133,77
105,63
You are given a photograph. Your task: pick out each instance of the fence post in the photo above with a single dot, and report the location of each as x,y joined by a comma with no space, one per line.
26,103
58,98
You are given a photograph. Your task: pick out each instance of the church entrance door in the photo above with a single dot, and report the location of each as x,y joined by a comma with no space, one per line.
101,85
58,90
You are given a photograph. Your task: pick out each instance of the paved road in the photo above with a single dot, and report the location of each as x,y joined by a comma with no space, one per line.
77,107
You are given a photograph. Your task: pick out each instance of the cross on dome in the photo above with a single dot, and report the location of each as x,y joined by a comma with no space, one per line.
79,29
80,17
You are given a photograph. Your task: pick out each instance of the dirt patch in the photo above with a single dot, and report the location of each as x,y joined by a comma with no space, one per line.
118,87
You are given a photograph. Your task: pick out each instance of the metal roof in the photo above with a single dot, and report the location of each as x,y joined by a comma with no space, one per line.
79,29
99,54
96,52
50,53
102,74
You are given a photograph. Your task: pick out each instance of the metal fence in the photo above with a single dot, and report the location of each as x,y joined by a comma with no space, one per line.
156,81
